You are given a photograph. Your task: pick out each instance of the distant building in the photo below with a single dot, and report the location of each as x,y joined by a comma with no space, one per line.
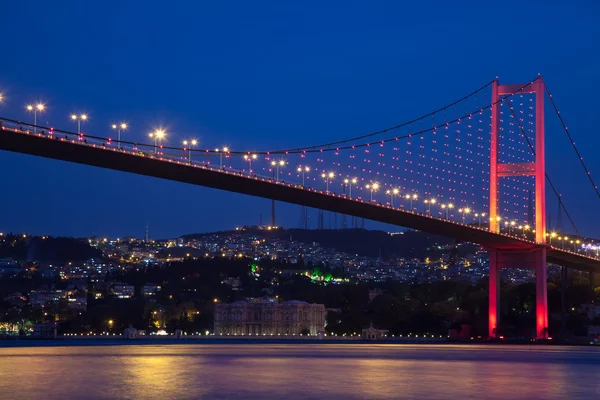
150,290
39,298
78,301
122,290
46,331
269,318
371,333
8,265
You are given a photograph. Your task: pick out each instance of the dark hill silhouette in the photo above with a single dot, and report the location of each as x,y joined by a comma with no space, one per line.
358,241
48,250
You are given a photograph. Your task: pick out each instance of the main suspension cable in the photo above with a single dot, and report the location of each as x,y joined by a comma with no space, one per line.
585,168
407,123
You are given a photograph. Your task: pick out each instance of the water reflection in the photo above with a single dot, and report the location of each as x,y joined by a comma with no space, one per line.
255,371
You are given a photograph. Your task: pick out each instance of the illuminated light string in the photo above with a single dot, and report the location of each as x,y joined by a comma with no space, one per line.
556,193
512,186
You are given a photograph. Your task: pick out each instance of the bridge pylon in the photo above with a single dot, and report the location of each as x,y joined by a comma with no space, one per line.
507,258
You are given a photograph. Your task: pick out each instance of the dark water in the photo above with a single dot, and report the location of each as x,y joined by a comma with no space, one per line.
300,371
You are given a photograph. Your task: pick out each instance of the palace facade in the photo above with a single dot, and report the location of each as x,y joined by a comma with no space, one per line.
269,318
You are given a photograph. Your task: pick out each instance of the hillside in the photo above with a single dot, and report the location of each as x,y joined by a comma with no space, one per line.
358,241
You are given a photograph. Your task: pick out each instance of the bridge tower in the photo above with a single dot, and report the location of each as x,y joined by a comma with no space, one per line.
534,258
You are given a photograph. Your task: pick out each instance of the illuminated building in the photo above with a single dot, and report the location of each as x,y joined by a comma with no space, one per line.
122,290
150,290
269,318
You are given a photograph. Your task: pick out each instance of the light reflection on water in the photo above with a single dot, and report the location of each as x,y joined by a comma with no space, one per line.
300,371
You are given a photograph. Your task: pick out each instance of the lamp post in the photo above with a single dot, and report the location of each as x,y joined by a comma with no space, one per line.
118,128
428,203
464,212
223,150
327,176
449,207
562,239
479,216
303,170
277,164
373,187
350,182
158,135
249,158
78,119
35,108
411,198
188,145
392,193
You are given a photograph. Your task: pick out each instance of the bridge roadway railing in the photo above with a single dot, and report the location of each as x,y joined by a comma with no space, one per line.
555,254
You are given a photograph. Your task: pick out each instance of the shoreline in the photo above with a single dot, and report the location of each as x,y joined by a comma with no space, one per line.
116,341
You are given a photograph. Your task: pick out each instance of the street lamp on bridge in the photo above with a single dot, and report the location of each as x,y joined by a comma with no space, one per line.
350,182
392,193
158,136
188,145
411,197
277,164
119,128
79,118
552,235
373,187
464,211
35,108
479,216
327,176
223,150
428,203
303,170
249,158
447,207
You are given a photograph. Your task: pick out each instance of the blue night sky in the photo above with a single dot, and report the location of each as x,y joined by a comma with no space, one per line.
262,75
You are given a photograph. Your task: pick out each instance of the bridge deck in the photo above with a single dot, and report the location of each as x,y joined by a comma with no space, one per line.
127,161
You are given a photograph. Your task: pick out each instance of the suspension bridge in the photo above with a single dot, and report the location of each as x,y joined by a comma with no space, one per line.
473,170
